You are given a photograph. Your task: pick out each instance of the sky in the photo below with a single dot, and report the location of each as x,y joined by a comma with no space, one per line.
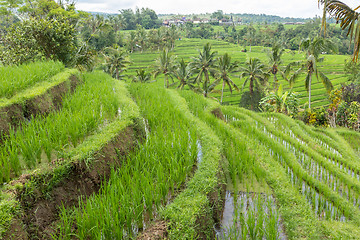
283,8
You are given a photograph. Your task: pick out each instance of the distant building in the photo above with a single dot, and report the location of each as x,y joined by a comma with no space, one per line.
294,23
168,23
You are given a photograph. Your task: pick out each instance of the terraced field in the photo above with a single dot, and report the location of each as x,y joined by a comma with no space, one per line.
125,161
333,67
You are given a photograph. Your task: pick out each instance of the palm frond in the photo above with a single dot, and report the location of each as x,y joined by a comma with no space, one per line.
326,81
348,19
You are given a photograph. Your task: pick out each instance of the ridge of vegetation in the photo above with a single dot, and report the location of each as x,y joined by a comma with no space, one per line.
193,202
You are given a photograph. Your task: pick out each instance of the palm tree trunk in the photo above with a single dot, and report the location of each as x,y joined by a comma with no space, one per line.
275,82
310,91
251,87
117,73
165,80
222,92
206,83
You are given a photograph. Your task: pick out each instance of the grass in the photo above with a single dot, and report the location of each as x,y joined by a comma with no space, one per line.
16,78
46,178
140,187
93,104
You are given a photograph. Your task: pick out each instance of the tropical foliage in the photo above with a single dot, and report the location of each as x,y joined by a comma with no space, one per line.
225,69
204,67
164,64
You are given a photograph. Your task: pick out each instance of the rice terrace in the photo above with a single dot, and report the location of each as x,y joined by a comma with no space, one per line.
139,125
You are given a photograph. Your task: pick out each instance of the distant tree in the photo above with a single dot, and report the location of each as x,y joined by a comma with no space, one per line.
164,64
219,14
182,71
131,42
250,36
141,38
313,48
144,17
204,67
225,68
274,56
172,35
142,76
116,62
254,73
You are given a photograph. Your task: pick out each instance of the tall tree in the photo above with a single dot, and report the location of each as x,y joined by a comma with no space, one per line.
116,61
225,68
183,72
274,56
254,73
204,66
142,76
164,64
313,48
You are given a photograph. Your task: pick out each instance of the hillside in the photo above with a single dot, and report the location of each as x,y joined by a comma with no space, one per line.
120,161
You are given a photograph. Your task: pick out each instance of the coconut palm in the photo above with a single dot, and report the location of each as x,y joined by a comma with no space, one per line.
116,62
348,19
183,72
142,76
254,73
313,48
225,68
163,65
274,56
204,66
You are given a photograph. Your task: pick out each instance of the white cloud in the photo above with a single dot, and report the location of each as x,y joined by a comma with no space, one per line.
283,8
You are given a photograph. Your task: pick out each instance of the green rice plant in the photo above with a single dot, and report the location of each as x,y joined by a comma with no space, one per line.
314,155
94,103
143,183
251,223
16,78
271,222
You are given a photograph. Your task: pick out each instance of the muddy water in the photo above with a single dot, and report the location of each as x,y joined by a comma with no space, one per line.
246,204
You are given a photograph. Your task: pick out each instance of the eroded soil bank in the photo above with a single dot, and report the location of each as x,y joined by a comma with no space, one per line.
13,115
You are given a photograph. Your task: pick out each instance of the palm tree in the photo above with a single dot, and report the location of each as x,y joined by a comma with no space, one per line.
348,19
274,56
141,37
164,64
183,73
142,76
84,59
204,66
226,67
313,48
250,35
116,62
254,74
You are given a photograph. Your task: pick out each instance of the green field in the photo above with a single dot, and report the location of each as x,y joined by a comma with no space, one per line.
333,67
119,160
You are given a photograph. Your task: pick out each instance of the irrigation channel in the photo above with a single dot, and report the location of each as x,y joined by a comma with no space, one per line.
250,215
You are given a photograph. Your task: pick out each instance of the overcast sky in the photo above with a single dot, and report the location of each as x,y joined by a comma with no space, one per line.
283,8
